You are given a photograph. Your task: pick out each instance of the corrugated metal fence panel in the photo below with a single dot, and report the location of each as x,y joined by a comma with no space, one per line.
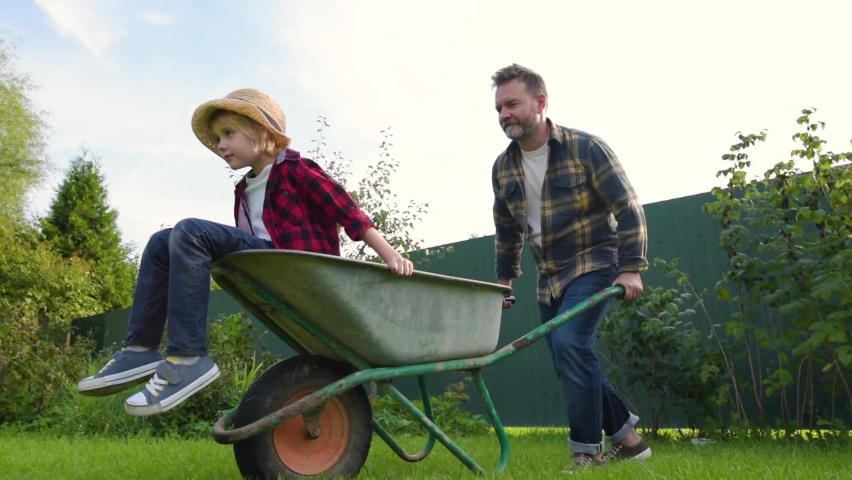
222,305
526,391
524,387
91,327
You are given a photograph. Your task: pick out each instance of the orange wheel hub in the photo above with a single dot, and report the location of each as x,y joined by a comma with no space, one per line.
304,454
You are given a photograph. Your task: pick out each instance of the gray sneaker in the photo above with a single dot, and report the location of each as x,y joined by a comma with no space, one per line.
640,451
124,370
171,384
581,461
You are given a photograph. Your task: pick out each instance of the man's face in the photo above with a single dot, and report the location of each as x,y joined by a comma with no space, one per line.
517,110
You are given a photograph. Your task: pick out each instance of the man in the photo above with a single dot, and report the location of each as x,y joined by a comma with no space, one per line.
565,191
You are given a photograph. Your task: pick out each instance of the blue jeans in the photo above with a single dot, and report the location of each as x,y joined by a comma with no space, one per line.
591,401
174,283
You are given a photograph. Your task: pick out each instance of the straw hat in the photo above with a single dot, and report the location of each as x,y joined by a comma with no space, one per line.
252,103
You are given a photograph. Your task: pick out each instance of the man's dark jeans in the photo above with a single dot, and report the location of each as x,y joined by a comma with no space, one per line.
591,402
174,283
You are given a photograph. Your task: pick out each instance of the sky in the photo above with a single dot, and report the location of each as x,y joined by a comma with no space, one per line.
666,85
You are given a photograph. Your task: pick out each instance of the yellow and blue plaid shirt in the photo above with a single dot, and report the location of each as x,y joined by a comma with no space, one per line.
590,216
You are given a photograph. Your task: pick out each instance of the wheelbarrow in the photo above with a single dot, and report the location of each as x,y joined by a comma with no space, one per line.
351,322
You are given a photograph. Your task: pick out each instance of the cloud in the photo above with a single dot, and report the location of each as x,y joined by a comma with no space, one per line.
90,22
97,24
155,18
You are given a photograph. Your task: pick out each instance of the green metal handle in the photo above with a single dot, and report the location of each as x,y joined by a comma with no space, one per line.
617,291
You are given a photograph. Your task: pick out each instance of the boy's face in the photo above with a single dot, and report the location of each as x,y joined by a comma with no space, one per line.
234,146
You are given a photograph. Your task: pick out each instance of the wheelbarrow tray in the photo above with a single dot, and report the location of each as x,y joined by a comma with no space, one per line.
385,319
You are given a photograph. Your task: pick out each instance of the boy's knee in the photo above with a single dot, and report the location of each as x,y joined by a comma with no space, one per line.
186,230
160,238
192,226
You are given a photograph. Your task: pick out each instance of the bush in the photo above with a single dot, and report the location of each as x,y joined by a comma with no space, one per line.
39,293
656,353
788,238
231,343
448,411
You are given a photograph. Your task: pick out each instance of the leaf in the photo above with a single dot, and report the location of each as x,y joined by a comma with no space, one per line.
844,355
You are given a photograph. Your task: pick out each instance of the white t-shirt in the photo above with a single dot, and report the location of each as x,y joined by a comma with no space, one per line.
535,166
255,192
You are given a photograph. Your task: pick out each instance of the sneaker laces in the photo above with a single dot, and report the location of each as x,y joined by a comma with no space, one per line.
156,385
110,362
612,452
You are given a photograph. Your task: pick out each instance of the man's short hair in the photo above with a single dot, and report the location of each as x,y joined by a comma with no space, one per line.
534,82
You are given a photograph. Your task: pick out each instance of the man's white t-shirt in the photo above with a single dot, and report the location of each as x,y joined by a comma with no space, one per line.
535,166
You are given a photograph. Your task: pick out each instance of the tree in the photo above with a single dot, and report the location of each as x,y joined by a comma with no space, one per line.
40,291
81,224
23,131
375,197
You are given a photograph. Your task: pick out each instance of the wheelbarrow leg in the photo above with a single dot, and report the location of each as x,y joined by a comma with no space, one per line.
427,406
495,420
432,428
427,420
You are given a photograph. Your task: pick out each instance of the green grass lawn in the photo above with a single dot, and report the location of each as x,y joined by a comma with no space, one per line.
534,456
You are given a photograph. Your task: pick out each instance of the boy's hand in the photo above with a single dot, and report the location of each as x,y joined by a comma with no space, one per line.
400,265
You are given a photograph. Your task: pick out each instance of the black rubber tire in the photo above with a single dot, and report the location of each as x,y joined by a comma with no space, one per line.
257,458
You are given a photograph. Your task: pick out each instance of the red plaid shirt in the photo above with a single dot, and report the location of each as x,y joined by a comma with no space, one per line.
303,206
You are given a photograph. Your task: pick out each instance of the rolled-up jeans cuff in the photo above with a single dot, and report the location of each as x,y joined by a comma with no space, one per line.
622,433
587,448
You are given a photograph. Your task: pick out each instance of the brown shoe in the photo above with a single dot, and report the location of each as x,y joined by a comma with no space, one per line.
581,461
619,451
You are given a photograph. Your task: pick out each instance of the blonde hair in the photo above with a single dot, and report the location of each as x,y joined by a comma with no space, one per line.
255,132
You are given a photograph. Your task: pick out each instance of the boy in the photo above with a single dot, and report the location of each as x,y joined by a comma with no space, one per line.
284,202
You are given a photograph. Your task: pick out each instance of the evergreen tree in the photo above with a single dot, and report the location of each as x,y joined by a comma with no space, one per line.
81,224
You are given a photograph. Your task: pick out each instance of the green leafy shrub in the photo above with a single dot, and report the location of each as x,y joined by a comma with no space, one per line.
788,238
40,292
232,344
655,352
448,410
786,347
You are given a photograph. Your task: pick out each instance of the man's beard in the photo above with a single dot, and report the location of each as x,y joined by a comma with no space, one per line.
519,130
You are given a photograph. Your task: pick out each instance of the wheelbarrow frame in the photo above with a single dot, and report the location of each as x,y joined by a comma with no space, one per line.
363,373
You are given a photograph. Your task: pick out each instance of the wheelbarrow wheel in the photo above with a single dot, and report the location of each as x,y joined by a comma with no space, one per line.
338,448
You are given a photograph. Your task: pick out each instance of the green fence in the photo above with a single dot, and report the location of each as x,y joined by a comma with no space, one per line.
525,389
